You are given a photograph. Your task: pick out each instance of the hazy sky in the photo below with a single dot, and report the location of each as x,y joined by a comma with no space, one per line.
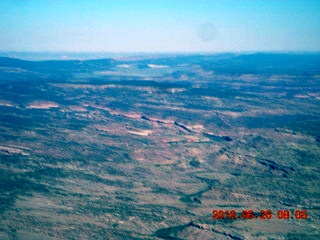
160,25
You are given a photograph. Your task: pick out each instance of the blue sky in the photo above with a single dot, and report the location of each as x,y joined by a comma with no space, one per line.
160,25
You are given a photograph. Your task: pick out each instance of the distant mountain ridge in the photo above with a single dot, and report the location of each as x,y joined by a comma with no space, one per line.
52,64
219,63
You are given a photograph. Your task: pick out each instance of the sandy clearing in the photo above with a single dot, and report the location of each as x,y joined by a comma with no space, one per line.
196,128
301,96
124,66
11,150
157,66
42,105
6,103
222,157
176,90
232,114
254,113
84,86
142,132
78,109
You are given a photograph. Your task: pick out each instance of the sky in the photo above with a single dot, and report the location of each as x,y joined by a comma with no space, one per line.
159,25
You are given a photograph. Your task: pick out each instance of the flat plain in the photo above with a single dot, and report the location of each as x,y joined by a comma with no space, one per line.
147,147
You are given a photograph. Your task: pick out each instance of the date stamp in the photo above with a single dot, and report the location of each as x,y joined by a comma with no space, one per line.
264,214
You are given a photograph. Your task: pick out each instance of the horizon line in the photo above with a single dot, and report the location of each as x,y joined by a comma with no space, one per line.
89,55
